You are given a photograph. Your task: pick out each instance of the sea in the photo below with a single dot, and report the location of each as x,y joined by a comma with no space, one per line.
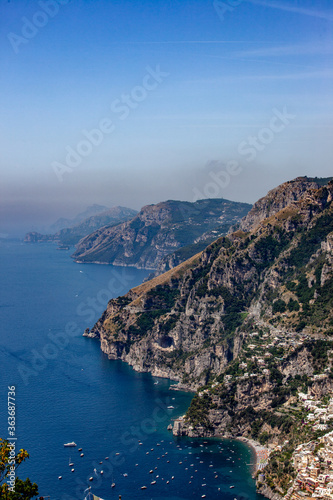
66,390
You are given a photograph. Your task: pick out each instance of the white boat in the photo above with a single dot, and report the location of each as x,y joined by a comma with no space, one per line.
170,407
67,445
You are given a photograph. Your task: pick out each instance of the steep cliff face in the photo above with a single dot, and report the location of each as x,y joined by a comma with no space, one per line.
159,230
248,322
189,323
149,328
250,404
277,199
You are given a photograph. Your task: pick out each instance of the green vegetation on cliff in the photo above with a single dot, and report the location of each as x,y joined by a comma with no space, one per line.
247,322
158,231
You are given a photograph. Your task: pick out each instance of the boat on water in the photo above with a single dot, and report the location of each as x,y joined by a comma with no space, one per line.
68,445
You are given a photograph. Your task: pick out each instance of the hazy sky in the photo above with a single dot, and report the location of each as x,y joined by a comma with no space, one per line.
133,102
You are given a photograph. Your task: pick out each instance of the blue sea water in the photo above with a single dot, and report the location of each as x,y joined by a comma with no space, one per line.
67,390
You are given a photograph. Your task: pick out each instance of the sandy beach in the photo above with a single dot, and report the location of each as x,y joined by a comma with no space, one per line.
261,453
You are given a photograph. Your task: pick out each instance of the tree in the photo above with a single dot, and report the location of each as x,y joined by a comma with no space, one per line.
9,462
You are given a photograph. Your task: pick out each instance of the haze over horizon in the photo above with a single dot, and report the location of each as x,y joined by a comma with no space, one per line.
136,102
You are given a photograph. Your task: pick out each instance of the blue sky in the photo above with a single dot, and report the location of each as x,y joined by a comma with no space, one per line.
189,91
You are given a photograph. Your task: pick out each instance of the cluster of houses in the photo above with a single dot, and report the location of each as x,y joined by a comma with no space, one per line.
313,461
319,415
257,349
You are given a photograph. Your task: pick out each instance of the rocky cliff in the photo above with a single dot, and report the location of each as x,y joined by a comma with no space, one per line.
247,323
190,322
160,230
277,199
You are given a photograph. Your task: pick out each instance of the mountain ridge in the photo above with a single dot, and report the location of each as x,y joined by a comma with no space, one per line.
247,323
73,234
90,211
221,288
159,230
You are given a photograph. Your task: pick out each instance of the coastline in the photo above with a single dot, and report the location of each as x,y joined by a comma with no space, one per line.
261,453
